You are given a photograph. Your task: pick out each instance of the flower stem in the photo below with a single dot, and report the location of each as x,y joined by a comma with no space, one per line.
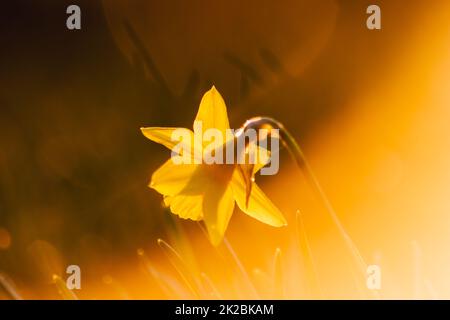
297,154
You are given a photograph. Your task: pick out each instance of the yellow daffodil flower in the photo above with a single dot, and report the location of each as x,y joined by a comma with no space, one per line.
208,192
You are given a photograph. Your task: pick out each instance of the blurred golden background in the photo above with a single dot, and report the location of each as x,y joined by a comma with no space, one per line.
370,109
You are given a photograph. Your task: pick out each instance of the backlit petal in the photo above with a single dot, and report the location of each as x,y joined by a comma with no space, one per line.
163,136
186,206
259,205
213,112
170,179
218,205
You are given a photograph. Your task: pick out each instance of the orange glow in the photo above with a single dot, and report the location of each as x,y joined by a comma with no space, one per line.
370,110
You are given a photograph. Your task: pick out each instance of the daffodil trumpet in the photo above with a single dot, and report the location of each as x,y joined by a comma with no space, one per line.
209,146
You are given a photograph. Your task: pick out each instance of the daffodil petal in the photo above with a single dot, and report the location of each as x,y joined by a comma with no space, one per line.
165,136
213,112
218,206
259,205
186,206
170,179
